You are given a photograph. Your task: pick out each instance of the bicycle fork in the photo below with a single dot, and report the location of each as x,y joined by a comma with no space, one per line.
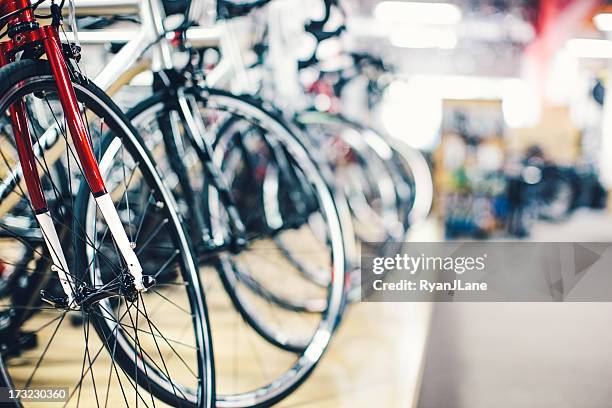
196,130
67,96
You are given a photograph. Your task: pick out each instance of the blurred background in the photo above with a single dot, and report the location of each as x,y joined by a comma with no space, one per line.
507,98
507,102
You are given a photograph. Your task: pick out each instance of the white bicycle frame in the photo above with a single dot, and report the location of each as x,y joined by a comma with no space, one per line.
152,36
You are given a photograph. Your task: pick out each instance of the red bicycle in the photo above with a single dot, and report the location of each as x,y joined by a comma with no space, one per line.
88,230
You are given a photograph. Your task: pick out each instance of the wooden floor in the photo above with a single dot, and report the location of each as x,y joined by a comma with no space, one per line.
374,360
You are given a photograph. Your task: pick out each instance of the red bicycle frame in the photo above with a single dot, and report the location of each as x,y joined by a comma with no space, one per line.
24,32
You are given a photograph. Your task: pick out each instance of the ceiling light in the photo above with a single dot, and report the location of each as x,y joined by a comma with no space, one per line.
419,13
603,21
424,37
411,112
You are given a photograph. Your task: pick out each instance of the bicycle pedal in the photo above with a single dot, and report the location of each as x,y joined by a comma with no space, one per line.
208,244
59,302
6,319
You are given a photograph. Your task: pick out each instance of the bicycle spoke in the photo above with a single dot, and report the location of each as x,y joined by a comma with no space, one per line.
42,356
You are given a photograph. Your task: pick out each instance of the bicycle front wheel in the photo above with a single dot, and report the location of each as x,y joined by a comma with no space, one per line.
151,347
